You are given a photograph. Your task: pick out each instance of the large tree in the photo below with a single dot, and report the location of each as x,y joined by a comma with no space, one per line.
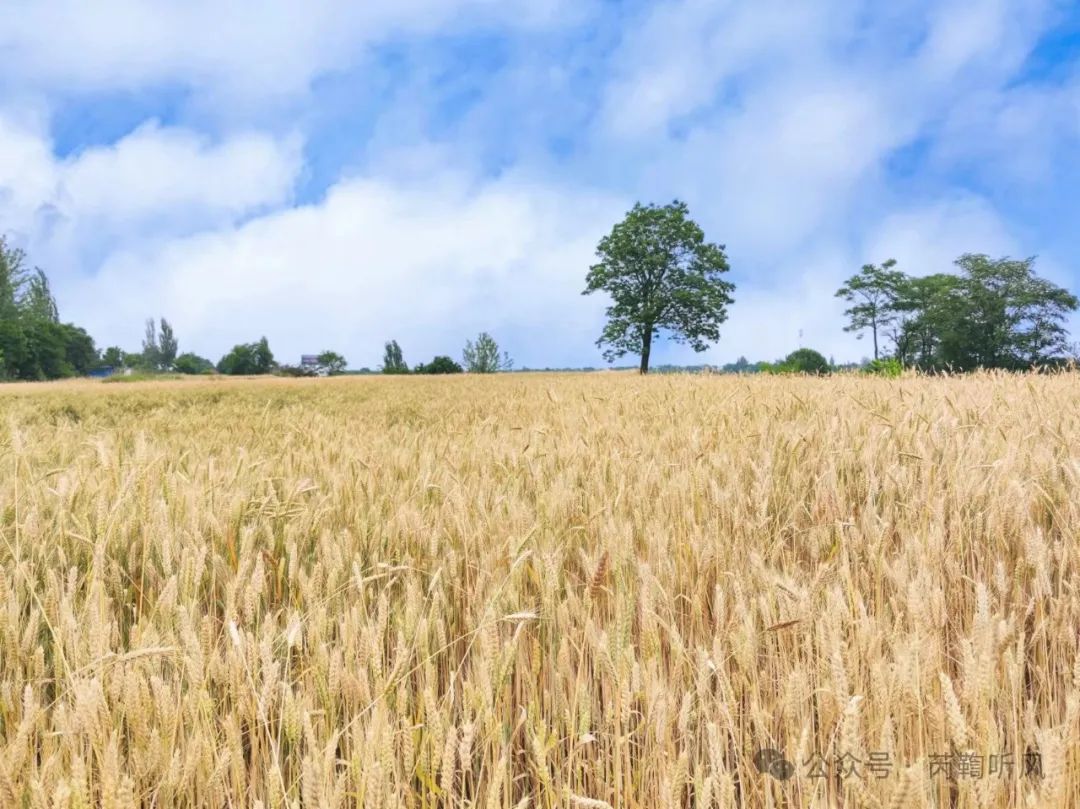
151,352
393,361
167,346
332,362
34,344
993,313
248,359
663,277
482,357
873,295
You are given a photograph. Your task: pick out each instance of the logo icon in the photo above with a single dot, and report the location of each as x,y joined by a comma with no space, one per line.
772,762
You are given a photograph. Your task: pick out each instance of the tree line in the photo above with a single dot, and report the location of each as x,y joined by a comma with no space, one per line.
34,344
664,280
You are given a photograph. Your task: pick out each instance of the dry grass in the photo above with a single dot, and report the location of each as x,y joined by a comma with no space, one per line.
544,591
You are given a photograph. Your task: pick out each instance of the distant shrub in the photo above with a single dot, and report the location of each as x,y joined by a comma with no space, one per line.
802,361
889,368
439,365
192,364
140,377
294,370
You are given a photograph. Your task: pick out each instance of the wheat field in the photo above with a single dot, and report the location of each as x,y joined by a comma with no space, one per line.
541,591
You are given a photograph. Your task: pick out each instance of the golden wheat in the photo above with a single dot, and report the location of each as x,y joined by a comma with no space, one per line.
540,591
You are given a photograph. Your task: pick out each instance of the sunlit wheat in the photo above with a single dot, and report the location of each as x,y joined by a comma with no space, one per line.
539,591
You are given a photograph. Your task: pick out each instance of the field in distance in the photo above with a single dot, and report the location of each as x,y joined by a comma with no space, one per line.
541,591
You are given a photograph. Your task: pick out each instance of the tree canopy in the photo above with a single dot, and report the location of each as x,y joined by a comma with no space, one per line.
393,361
332,362
482,357
248,359
992,313
662,277
439,365
34,344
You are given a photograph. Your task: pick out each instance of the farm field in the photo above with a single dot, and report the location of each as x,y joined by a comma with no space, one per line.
541,591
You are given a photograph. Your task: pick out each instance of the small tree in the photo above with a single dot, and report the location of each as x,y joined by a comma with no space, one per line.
439,365
167,346
332,362
874,295
38,301
393,361
248,359
482,357
192,364
662,276
113,357
151,353
805,361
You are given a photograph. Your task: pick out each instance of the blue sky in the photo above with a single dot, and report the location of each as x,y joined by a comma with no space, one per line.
333,174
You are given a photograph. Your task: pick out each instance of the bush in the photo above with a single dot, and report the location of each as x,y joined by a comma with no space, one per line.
294,370
805,361
192,364
889,368
248,359
439,365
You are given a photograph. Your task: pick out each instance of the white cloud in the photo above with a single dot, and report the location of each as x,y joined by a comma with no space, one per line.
154,182
240,49
430,265
777,122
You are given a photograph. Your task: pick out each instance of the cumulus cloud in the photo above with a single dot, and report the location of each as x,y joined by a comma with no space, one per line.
155,182
427,264
497,141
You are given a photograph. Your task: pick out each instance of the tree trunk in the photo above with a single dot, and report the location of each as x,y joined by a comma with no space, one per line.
646,347
874,329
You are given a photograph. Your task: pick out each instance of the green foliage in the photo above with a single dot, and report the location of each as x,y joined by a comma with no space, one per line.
248,359
889,367
332,362
994,313
167,346
482,357
114,357
190,363
393,362
151,353
807,361
37,300
662,276
140,376
874,295
801,361
34,344
439,365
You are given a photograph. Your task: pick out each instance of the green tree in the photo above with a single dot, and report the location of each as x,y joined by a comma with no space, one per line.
113,357
482,357
805,361
13,276
873,294
393,362
79,350
167,346
37,299
1014,319
264,358
662,276
439,365
189,363
332,362
247,359
994,313
151,352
